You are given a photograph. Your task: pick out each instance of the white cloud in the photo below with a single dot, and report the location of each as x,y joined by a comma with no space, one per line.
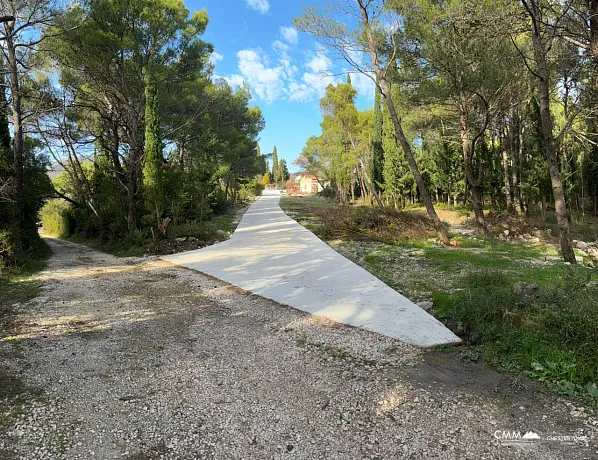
235,81
265,81
363,84
215,57
278,76
313,84
319,63
289,34
259,5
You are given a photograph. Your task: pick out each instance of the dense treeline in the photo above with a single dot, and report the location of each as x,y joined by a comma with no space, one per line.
121,95
489,103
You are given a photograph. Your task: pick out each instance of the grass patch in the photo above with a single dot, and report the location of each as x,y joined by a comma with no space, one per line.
140,243
549,334
123,248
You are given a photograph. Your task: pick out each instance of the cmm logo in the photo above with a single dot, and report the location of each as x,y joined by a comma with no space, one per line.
516,436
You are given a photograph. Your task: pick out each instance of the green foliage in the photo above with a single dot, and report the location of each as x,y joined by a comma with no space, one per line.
275,168
57,218
550,335
36,188
171,143
153,160
377,148
254,187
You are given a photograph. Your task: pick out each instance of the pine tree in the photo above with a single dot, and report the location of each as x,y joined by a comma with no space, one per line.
283,172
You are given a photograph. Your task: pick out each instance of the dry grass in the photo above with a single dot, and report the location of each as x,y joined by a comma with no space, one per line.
332,221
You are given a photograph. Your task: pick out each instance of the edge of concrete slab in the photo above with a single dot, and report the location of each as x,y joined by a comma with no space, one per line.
240,290
414,325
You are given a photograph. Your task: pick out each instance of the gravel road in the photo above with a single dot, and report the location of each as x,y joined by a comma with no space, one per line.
137,359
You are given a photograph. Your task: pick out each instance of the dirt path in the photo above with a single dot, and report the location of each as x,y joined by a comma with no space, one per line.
137,359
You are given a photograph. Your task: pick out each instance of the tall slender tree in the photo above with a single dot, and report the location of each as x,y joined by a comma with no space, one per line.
275,177
369,38
543,33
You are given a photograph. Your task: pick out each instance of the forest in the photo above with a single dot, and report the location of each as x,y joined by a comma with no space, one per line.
490,104
120,97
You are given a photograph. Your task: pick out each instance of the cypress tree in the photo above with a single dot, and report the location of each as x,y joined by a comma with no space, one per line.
275,177
377,149
152,168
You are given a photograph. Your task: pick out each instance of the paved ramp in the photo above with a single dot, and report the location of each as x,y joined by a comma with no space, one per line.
273,256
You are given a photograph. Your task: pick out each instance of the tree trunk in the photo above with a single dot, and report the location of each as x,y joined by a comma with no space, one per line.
507,179
477,195
385,91
132,189
17,121
475,183
540,51
370,184
516,161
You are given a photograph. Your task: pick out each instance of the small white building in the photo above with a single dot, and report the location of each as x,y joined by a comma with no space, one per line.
309,184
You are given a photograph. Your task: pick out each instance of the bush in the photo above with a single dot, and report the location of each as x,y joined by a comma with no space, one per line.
254,187
7,250
58,219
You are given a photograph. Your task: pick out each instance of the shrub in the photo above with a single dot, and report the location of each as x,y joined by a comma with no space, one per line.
7,250
254,187
58,219
550,334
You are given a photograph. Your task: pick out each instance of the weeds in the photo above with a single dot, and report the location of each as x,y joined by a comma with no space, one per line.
550,335
331,221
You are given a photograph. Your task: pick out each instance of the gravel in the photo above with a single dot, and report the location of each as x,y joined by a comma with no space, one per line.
137,359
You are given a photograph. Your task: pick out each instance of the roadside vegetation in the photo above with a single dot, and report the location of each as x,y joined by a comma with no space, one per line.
118,101
193,234
515,303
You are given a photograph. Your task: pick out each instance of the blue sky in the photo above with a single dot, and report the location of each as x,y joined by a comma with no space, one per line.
254,41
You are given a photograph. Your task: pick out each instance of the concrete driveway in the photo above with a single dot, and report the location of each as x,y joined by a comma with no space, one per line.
273,256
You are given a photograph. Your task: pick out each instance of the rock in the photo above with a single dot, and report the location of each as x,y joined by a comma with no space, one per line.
506,232
523,288
534,240
180,240
533,286
578,259
580,244
425,305
581,253
527,236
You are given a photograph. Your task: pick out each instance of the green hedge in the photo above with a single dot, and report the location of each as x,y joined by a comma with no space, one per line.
57,218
